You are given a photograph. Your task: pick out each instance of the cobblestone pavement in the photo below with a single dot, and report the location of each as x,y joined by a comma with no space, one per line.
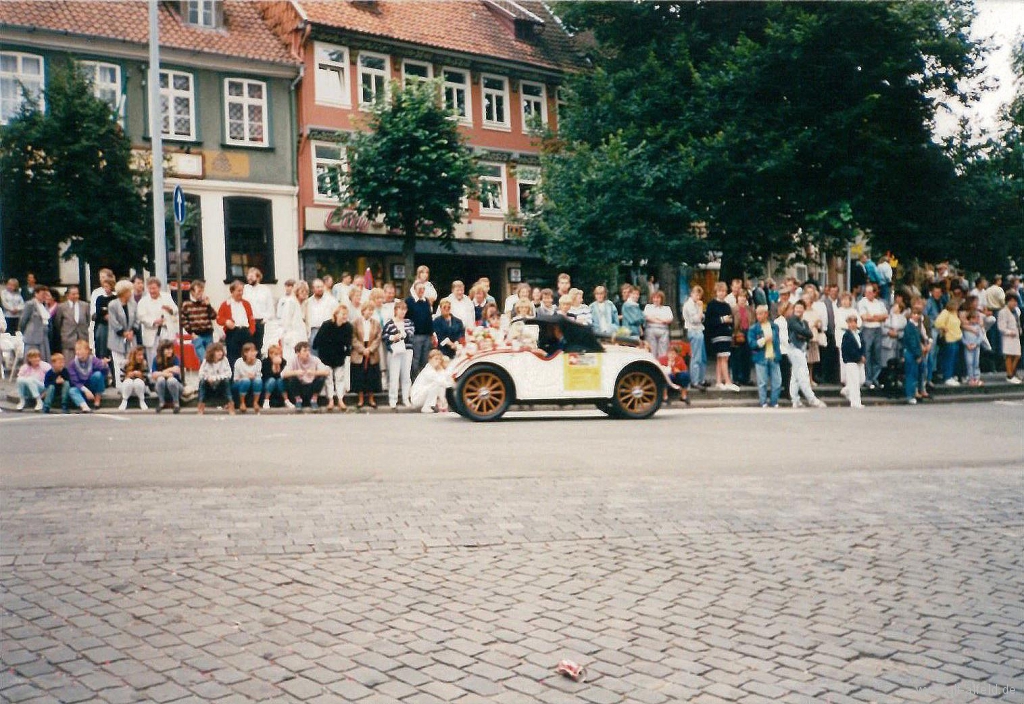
883,586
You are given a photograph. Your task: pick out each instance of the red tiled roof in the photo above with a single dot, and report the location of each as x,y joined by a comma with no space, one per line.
244,35
467,26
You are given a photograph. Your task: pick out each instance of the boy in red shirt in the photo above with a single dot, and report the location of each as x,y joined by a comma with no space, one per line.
675,363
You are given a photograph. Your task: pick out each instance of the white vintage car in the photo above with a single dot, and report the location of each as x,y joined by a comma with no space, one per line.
568,364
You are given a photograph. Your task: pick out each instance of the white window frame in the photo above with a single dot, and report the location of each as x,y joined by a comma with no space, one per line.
18,76
170,92
506,125
466,88
246,103
342,162
91,71
332,66
362,70
201,8
501,181
530,176
525,100
416,79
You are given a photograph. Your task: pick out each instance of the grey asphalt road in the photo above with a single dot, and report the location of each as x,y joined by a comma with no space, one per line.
137,449
703,556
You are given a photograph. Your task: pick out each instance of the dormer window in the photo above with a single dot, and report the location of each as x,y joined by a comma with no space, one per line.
201,13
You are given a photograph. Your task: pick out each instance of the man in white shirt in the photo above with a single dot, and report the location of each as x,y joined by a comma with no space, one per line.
157,316
387,307
261,300
885,274
319,308
340,289
874,313
693,321
462,306
735,287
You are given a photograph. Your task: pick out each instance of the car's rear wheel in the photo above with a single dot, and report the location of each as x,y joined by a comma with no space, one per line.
638,393
484,393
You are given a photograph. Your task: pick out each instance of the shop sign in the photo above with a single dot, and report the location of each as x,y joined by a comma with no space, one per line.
582,371
346,220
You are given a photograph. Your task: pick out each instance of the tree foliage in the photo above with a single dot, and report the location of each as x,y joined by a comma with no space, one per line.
774,124
66,176
411,166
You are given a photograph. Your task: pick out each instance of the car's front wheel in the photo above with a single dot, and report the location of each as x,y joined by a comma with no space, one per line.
638,393
484,393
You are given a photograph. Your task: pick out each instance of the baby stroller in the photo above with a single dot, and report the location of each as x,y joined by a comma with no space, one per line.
890,379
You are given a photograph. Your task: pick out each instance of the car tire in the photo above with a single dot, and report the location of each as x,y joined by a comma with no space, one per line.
484,393
638,392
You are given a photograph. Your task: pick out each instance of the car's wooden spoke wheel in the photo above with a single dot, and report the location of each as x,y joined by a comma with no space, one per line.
637,394
484,394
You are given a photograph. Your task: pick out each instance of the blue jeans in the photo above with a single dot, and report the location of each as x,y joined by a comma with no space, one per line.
932,363
200,343
271,386
872,338
972,358
248,390
29,389
769,382
96,382
69,396
947,359
680,379
913,373
698,356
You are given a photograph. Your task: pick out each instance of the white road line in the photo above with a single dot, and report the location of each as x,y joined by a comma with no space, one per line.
120,419
52,417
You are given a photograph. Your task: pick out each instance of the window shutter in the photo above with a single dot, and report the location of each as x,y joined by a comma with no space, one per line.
218,13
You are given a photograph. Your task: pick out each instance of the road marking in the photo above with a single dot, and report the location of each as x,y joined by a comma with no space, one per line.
669,412
51,417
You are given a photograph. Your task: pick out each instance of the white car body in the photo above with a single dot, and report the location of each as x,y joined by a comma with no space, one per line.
552,359
563,377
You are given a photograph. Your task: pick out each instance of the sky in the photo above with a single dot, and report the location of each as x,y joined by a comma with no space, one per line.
1001,21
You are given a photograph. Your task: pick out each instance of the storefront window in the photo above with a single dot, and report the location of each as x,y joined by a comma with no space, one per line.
249,236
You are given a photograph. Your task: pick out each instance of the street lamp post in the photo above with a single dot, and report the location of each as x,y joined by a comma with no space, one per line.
156,134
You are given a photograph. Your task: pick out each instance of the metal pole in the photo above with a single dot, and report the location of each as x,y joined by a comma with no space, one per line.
156,135
849,268
181,298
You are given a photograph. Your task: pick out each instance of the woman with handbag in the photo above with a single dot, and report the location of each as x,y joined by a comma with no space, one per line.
397,335
366,342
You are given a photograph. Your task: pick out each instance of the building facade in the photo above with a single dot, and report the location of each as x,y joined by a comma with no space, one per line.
227,88
500,65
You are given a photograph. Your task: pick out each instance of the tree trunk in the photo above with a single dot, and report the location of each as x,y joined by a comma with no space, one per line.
409,254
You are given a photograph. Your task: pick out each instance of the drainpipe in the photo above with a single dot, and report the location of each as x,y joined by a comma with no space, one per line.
294,114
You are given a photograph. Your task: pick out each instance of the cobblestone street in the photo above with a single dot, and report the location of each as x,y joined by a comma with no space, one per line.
823,586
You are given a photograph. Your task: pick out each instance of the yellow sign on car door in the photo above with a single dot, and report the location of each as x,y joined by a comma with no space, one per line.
582,371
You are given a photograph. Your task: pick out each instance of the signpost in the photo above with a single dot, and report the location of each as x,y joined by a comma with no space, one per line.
178,201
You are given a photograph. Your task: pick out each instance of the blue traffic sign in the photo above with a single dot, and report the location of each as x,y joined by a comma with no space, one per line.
179,205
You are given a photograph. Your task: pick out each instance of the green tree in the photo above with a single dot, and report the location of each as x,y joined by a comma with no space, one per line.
597,211
411,166
66,176
780,124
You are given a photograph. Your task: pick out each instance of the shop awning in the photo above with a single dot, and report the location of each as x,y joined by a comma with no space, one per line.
378,244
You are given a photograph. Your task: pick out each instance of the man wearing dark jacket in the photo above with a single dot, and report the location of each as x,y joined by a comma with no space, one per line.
800,377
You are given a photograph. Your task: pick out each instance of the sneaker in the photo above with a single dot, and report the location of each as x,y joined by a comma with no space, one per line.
859,405
1014,380
818,403
266,404
731,387
288,404
39,404
912,401
84,408
797,404
123,406
297,407
21,405
843,392
393,404
177,409
951,382
721,387
427,409
160,407
46,409
314,406
142,405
